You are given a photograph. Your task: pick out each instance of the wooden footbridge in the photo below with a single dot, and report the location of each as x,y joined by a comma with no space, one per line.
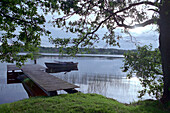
48,83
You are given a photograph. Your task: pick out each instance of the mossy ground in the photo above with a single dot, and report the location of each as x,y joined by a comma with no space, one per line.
79,102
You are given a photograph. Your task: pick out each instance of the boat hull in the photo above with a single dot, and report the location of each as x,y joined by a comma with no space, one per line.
61,65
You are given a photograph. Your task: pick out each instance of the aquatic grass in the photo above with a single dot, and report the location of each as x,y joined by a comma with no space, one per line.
79,102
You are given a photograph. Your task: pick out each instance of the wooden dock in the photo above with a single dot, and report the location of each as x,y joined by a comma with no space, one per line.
48,83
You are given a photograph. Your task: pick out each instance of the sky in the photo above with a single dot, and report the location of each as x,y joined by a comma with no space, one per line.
140,36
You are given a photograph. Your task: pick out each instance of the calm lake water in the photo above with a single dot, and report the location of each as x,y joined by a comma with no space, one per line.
94,75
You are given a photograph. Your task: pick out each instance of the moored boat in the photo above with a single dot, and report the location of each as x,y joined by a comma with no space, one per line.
60,64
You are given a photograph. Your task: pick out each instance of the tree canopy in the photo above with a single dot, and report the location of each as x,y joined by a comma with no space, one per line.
21,27
84,18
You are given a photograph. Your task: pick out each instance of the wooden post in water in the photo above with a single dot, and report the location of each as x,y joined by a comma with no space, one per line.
35,61
52,93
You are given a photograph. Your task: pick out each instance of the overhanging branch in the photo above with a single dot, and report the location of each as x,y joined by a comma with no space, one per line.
94,30
15,19
151,21
135,4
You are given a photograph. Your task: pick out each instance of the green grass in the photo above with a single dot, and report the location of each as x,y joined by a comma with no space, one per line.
85,103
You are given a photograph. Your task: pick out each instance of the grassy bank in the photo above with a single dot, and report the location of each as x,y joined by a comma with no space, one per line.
80,103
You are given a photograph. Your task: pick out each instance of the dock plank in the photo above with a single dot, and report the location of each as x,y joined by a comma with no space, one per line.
47,81
44,80
26,66
12,67
33,67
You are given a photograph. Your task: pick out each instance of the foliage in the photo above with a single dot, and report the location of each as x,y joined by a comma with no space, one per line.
86,17
146,64
21,27
81,103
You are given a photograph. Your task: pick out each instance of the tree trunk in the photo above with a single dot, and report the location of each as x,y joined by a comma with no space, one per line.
164,41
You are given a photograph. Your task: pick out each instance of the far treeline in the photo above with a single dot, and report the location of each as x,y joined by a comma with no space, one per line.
86,51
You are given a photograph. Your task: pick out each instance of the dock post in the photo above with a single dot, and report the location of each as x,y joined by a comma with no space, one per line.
70,91
52,93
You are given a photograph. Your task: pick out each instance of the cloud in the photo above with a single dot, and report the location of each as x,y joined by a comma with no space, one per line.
140,36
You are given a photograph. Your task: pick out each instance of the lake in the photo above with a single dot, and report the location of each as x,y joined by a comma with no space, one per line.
101,75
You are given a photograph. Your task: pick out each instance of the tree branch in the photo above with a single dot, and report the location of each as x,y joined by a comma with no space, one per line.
151,21
154,10
135,4
13,18
94,30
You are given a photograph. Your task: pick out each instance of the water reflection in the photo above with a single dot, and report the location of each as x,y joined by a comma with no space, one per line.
94,75
11,93
112,86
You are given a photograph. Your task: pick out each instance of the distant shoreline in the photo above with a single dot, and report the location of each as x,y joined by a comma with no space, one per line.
78,55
